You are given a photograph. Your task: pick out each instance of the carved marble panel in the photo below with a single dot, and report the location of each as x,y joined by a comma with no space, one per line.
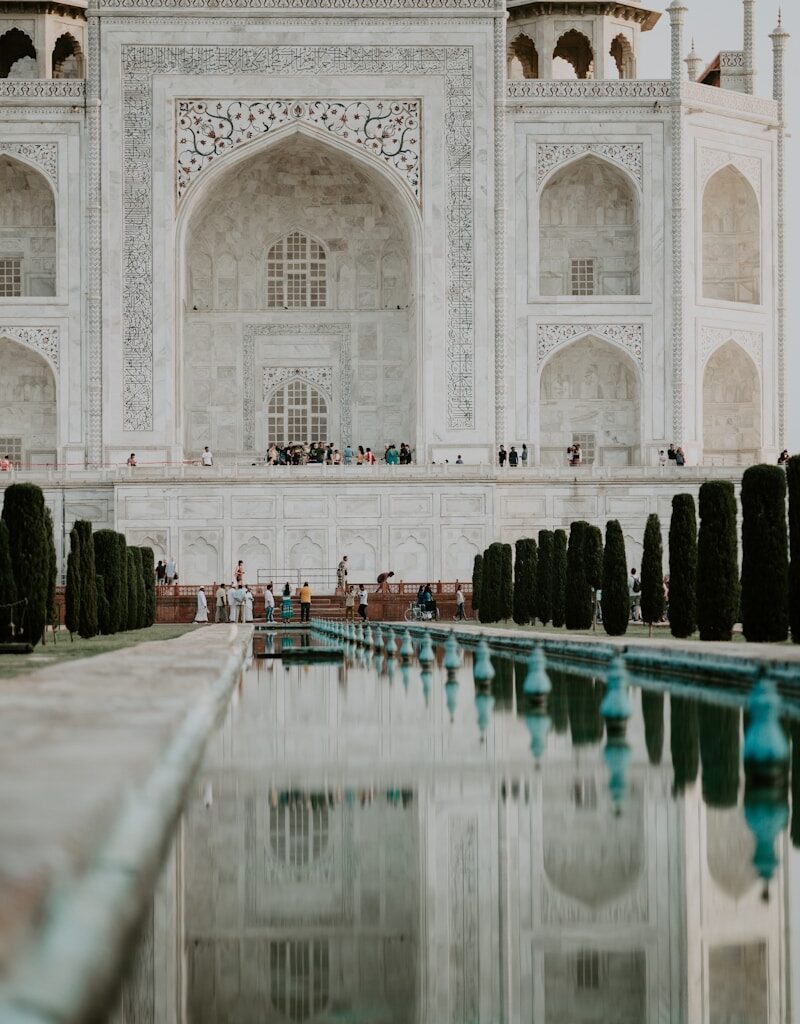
44,340
629,156
627,336
43,155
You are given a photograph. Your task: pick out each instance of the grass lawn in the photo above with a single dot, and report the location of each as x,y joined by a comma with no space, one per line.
67,650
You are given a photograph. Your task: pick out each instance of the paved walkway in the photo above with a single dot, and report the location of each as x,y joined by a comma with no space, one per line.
95,756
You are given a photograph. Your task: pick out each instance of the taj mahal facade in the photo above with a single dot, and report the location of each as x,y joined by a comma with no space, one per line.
450,223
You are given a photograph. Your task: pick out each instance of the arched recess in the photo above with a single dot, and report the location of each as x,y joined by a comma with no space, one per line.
589,230
366,222
297,412
731,238
589,393
67,57
621,52
522,58
27,231
731,407
573,51
17,55
28,405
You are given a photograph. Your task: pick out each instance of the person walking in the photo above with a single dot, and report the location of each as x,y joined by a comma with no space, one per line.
459,603
286,603
249,601
201,615
221,602
350,604
363,600
305,602
238,603
269,604
369,457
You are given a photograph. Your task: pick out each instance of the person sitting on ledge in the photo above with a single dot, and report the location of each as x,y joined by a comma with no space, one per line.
131,461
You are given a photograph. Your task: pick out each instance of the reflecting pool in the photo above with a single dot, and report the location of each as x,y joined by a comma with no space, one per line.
377,842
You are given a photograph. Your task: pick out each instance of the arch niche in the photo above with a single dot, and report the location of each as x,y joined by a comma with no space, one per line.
731,238
17,55
589,231
28,405
573,56
280,242
731,407
589,391
67,57
522,58
27,231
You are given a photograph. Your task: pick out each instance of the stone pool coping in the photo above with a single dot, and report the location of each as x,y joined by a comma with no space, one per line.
95,760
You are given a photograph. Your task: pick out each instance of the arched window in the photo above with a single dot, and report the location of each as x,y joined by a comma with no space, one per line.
297,412
574,48
28,410
28,230
299,978
296,277
298,829
622,54
731,407
589,231
67,57
17,55
523,60
731,243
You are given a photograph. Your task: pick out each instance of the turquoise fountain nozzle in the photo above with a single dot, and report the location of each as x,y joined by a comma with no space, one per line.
482,668
407,647
538,729
452,660
616,705
537,683
426,656
766,749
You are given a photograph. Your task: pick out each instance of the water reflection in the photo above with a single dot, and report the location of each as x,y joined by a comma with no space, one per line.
439,851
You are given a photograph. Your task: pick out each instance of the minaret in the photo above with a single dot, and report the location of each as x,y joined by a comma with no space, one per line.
677,13
779,38
749,47
694,63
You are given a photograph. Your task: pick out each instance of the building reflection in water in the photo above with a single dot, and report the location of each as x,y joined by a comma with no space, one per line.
371,854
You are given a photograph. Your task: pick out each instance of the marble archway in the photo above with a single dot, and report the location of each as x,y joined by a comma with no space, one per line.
731,407
28,405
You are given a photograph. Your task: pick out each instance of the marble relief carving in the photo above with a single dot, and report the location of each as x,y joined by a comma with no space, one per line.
320,376
712,338
390,131
711,160
43,154
627,156
43,340
627,336
140,63
589,88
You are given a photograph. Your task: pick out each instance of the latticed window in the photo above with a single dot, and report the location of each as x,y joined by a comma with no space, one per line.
12,447
297,412
298,833
296,273
299,978
10,278
587,969
588,447
582,277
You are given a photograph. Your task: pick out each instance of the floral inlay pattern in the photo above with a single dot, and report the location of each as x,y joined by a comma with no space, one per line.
390,131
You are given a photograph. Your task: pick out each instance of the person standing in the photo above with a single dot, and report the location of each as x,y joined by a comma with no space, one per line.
369,457
249,600
513,457
207,458
360,455
501,456
347,455
363,600
459,603
305,602
523,456
269,604
680,457
221,603
131,460
161,571
171,571
341,574
635,595
350,604
238,572
201,615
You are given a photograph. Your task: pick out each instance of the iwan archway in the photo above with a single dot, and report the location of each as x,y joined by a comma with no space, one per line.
28,406
299,309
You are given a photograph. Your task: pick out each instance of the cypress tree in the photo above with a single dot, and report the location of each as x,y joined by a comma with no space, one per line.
578,604
653,714
683,566
149,572
544,578
506,609
122,559
141,601
719,754
765,555
23,512
683,741
107,564
717,561
87,620
9,611
72,598
594,565
525,582
793,483
477,577
652,573
484,609
134,572
559,574
52,565
615,601
103,607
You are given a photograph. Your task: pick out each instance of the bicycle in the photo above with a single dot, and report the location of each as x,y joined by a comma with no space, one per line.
419,613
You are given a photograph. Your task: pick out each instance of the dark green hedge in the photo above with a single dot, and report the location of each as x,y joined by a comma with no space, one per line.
578,601
87,618
506,610
52,566
107,564
72,597
683,566
525,582
683,741
103,607
615,601
793,482
765,555
558,596
477,578
544,578
134,577
149,576
717,561
23,513
9,611
142,588
652,572
122,556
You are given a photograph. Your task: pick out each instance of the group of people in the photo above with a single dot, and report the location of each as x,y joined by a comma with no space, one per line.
320,453
512,457
166,572
672,454
237,602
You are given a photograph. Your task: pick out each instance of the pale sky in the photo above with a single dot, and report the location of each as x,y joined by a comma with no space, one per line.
717,25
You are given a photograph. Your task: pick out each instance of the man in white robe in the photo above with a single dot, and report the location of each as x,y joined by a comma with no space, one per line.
202,606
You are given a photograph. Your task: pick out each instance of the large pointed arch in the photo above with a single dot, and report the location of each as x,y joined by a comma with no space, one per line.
28,403
29,208
731,257
732,407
